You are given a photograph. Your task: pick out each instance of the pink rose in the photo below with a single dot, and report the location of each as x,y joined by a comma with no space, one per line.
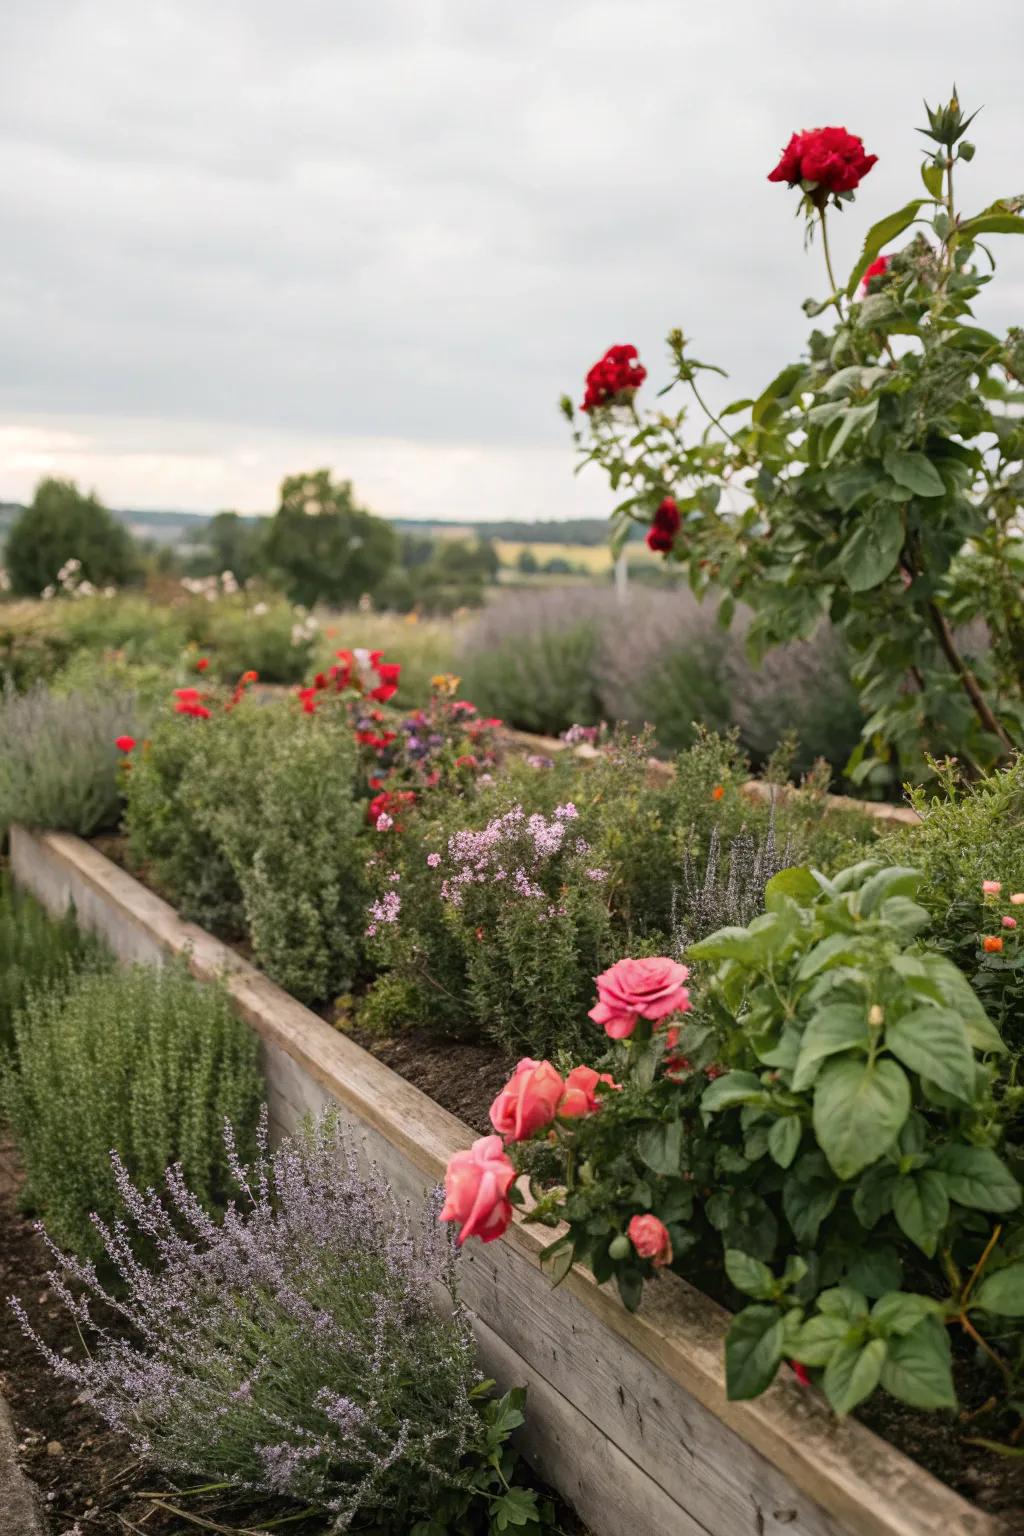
528,1101
650,1238
639,989
991,887
476,1186
579,1097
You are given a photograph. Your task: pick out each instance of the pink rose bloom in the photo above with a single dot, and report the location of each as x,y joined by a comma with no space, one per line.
1017,899
1009,922
991,887
527,1102
650,1238
639,989
580,1097
476,1186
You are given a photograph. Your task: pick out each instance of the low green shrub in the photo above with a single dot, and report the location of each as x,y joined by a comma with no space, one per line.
540,681
147,1062
59,763
36,951
248,821
267,636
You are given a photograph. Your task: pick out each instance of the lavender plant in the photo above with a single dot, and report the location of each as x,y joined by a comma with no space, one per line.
58,761
731,892
297,1348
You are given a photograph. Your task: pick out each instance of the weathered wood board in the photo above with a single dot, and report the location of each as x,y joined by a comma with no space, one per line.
628,1415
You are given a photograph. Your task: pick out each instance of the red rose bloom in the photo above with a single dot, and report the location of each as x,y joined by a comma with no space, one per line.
830,157
202,663
662,533
125,743
876,269
615,379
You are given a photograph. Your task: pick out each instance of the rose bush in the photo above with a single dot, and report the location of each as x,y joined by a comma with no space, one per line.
816,1135
876,481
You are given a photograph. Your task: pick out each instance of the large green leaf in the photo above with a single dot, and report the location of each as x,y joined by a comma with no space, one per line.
780,386
894,880
661,1147
899,1312
733,1088
915,471
933,1042
749,1275
859,1107
784,1139
993,224
921,1206
917,1368
853,1373
871,553
1003,1292
841,1027
819,1338
753,1349
880,234
977,1178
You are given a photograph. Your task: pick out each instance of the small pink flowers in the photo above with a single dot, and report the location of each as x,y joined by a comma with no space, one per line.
629,990
125,743
991,887
476,1186
433,860
650,1238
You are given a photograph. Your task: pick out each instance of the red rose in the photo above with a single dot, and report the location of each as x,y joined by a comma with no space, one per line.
580,1097
615,379
639,989
387,803
830,157
125,743
876,269
202,663
476,1187
650,1238
662,533
191,707
528,1100
308,697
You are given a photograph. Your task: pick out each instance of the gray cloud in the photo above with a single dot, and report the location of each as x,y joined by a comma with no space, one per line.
421,220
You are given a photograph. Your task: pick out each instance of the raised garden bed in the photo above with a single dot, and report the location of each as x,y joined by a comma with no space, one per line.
628,1413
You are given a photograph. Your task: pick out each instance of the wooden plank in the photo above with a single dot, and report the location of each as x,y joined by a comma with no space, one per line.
651,1383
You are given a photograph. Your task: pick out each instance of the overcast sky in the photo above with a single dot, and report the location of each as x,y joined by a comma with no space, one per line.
247,237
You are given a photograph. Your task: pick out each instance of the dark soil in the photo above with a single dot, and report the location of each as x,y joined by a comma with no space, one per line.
463,1078
91,1482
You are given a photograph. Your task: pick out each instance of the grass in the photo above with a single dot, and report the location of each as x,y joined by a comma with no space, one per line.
595,559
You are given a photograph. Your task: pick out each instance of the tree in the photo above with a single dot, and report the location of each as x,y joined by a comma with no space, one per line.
233,544
61,525
323,545
527,563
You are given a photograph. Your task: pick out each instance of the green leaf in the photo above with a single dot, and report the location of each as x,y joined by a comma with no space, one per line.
661,1147
853,1373
880,234
872,1198
895,880
517,1507
933,1042
875,1271
797,883
837,948
859,1107
921,1207
931,175
900,1311
992,224
818,1339
557,1259
733,1088
839,1027
847,484
749,1275
853,417
753,1349
809,1194
843,1301
781,385
952,988
915,471
977,1178
784,1139
872,551
1002,1292
917,1369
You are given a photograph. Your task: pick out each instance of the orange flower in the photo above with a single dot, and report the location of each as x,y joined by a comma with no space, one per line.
992,945
718,792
